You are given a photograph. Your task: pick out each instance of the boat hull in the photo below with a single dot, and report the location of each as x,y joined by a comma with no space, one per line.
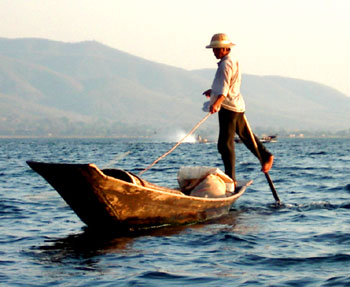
102,200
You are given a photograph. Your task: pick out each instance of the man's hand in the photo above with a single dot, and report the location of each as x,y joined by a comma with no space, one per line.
217,105
207,93
214,108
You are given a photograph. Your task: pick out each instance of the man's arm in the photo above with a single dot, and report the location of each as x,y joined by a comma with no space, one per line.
216,106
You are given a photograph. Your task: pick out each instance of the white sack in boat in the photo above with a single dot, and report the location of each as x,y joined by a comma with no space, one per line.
193,179
211,186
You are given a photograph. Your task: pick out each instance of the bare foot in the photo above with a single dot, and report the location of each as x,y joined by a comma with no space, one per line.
267,165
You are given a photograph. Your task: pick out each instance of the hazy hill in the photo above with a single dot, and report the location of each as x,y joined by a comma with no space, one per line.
86,88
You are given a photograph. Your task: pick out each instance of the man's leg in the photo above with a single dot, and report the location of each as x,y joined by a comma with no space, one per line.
226,144
244,134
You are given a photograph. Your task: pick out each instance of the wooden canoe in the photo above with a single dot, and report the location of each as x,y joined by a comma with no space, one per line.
105,198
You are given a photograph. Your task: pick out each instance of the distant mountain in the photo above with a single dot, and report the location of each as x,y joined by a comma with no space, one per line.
88,89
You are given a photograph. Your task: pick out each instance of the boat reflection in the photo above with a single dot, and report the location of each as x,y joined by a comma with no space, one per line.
92,243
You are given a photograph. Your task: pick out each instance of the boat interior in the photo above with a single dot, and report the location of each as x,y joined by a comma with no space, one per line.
123,175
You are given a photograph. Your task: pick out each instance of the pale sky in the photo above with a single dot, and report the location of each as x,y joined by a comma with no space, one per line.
304,39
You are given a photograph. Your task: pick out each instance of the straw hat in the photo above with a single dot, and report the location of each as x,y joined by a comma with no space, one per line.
220,41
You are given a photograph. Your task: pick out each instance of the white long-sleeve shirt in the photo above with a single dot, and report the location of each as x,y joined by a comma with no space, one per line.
227,82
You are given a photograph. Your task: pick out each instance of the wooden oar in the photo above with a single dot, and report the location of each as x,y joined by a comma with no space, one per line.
269,180
177,144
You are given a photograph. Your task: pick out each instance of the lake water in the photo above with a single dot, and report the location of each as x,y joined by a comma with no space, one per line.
306,242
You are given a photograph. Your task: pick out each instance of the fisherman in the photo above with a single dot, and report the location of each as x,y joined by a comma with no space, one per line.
226,99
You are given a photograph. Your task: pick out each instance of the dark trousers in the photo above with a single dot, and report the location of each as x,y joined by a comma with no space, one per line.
230,123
